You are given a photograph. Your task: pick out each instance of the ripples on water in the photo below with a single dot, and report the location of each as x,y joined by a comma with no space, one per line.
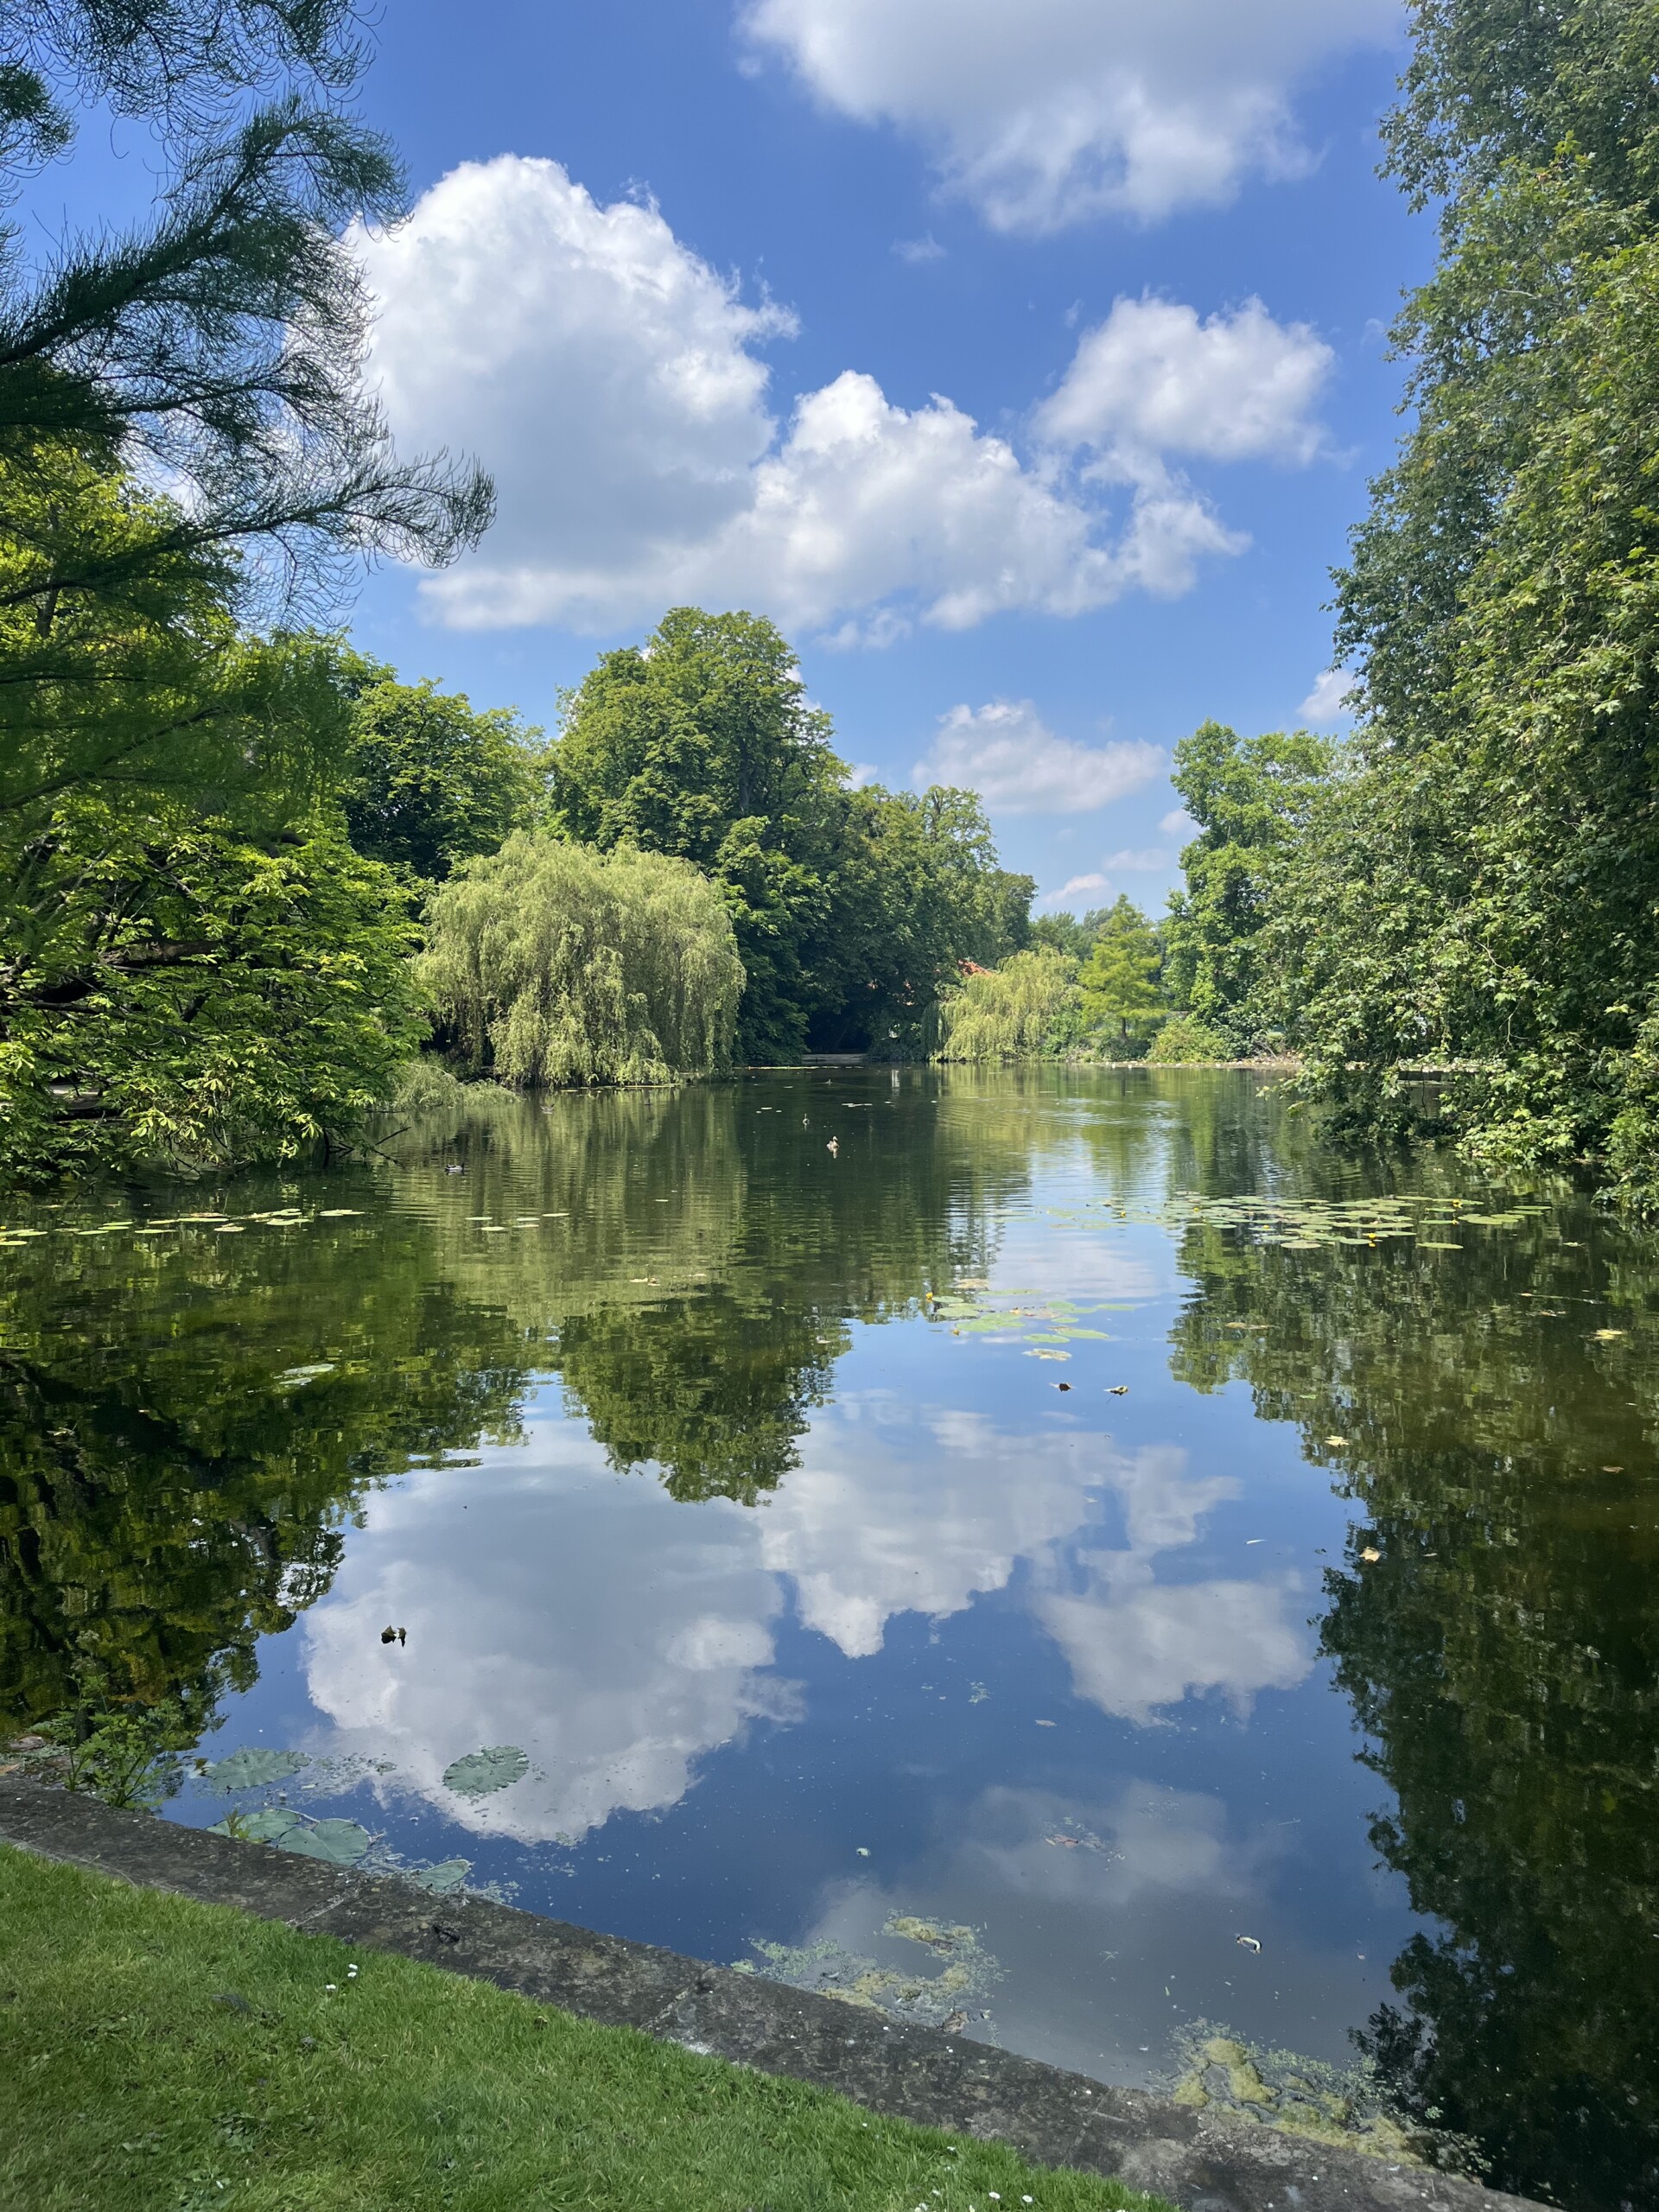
731,1480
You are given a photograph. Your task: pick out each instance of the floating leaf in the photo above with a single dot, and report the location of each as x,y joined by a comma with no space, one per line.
254,1769
481,1773
340,1843
1607,1336
1048,1355
337,1213
443,1879
269,1825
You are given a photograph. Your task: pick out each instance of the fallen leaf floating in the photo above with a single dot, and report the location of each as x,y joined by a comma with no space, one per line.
1247,1942
1607,1336
1337,1443
1371,1555
1118,1390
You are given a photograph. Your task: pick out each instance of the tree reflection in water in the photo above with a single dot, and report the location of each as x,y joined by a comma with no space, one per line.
1495,1624
188,1423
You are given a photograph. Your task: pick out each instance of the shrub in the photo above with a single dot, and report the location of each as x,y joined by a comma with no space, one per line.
1186,1038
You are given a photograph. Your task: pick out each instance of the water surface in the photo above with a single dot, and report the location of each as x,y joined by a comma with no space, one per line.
1003,1546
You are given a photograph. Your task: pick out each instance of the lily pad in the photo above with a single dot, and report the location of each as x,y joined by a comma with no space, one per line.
443,1879
254,1769
269,1825
480,1774
340,1843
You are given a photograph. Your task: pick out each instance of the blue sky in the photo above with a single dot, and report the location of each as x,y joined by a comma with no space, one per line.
1024,361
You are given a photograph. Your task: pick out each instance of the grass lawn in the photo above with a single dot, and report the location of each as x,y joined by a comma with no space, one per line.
159,2055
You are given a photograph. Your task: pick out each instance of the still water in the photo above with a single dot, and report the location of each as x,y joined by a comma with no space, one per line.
1065,1556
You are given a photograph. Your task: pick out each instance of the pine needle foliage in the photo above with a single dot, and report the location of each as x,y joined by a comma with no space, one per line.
1025,1009
551,965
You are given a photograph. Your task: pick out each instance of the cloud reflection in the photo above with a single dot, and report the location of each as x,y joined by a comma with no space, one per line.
621,1637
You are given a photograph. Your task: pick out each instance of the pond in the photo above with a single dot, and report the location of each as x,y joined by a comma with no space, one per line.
1065,1556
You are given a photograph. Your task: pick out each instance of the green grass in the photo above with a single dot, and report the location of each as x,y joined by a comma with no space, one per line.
132,2085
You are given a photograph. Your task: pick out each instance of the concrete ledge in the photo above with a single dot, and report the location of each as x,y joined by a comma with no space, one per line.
1204,2162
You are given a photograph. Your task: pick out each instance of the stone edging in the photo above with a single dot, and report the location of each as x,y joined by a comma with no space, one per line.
1204,2162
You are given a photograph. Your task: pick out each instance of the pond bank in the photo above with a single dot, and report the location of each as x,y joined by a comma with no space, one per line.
1206,2162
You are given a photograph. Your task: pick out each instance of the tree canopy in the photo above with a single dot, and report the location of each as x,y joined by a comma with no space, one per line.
1478,880
853,908
429,780
553,963
1120,980
1249,797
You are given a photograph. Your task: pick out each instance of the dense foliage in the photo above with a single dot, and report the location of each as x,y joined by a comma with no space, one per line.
1120,979
1026,1008
429,780
195,962
176,989
853,908
550,963
1251,799
1479,882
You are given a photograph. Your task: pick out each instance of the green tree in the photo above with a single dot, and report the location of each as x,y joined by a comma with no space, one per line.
553,963
144,688
702,744
1119,979
1066,933
1249,797
220,344
853,909
1482,880
1026,1009
429,780
173,988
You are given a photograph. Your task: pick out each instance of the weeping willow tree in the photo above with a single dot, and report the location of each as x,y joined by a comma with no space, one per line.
552,964
1027,1008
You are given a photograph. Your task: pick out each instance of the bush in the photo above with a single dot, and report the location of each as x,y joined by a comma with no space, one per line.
552,964
1186,1039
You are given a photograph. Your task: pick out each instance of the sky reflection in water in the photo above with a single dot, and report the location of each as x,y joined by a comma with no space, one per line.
816,1607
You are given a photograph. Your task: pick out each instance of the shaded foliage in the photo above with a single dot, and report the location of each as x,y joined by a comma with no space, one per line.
174,989
428,780
1249,797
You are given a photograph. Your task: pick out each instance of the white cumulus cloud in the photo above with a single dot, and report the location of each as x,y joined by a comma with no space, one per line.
1056,111
1153,378
1072,887
1178,824
1328,701
1005,753
608,378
